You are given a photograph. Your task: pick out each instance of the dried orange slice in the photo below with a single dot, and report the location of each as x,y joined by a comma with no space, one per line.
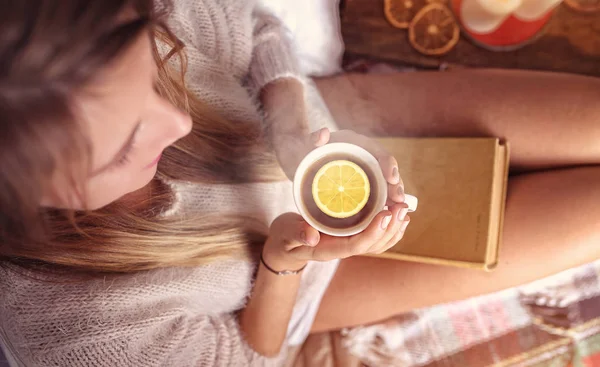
400,12
433,31
585,6
341,189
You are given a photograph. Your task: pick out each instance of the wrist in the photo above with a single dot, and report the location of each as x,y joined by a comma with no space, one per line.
285,133
285,108
282,89
281,261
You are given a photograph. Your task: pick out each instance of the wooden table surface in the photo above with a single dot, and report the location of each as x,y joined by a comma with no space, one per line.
571,43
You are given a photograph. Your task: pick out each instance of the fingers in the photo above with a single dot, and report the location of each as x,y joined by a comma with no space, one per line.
389,166
395,238
395,230
376,231
376,239
342,247
304,242
399,212
320,137
386,229
396,194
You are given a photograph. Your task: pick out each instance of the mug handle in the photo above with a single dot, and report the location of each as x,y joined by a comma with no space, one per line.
411,201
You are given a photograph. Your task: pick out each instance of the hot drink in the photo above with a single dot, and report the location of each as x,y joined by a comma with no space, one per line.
329,218
339,188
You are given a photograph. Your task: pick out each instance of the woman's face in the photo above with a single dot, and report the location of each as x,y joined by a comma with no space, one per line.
128,124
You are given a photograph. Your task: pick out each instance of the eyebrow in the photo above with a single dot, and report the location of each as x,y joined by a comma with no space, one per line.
124,148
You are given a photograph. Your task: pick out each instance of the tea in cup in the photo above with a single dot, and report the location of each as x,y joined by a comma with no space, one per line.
339,188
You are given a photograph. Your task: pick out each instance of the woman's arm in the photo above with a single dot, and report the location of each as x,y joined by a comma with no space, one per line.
265,319
275,75
285,110
273,56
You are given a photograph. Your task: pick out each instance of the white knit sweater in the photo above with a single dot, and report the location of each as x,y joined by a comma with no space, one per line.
185,316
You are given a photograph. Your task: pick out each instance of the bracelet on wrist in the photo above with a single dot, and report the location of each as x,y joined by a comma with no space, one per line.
283,272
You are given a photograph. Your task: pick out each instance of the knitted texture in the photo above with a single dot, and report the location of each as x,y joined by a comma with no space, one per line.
166,317
184,316
233,49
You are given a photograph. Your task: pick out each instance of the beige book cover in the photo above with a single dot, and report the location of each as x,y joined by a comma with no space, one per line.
461,186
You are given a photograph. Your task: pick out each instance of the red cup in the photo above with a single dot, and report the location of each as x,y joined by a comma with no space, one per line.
513,33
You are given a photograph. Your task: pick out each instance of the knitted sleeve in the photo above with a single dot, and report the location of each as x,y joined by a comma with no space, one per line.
273,55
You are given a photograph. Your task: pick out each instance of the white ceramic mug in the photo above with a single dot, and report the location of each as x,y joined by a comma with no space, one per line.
360,155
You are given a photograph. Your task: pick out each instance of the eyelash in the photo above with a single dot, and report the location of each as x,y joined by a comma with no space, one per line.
125,157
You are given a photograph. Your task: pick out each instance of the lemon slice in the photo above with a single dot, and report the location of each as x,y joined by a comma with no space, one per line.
341,189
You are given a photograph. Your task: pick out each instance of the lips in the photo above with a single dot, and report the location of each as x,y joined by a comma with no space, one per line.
154,162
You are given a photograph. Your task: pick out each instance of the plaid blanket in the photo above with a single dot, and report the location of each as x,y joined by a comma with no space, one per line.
551,322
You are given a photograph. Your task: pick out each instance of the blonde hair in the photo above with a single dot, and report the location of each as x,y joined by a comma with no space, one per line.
129,236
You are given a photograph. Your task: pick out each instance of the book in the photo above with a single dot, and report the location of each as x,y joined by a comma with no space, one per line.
461,186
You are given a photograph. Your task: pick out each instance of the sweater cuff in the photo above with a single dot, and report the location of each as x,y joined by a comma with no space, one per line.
273,55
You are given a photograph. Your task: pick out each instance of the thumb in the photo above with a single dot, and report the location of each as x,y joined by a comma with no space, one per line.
320,137
293,232
306,247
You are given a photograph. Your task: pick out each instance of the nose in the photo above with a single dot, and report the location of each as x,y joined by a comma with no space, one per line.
180,119
173,122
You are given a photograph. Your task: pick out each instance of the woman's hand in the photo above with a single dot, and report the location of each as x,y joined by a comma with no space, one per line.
293,242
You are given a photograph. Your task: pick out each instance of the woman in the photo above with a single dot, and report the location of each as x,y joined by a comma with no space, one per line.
132,270
107,262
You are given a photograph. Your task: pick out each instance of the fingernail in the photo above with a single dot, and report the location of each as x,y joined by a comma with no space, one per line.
317,136
401,192
311,238
404,225
396,174
386,221
305,238
401,214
